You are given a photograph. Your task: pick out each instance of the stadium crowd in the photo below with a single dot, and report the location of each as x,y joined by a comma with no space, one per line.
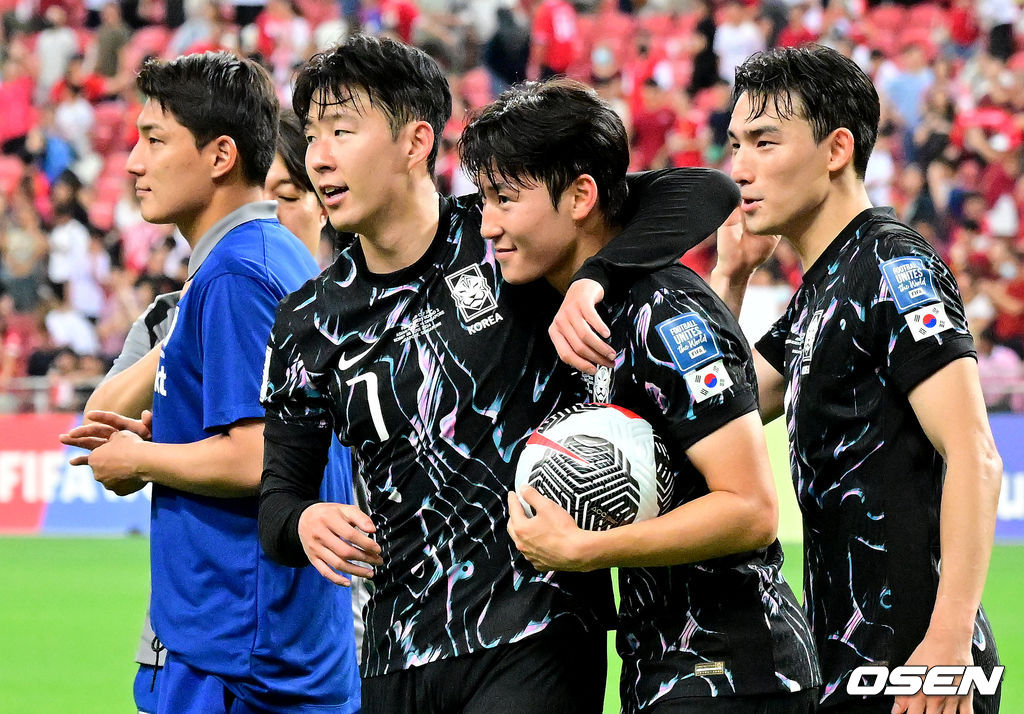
78,264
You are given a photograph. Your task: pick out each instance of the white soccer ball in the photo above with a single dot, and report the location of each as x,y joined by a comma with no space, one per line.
601,463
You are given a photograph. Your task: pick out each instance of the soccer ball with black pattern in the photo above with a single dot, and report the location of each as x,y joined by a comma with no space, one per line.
601,463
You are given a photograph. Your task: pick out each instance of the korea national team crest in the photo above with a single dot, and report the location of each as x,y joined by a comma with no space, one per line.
472,294
928,321
602,385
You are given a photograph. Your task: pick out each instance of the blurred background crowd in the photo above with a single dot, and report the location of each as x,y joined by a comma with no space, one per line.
78,264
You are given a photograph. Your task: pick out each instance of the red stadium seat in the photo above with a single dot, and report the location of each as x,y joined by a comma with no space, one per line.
887,18
101,215
146,41
108,127
927,16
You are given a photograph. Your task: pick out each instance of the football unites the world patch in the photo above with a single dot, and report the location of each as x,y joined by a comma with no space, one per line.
689,341
910,283
696,354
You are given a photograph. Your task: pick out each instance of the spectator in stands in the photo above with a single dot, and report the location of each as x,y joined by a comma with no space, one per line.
67,328
16,88
1001,371
22,248
554,39
796,33
201,26
906,90
705,61
68,245
736,38
507,53
55,47
651,124
111,37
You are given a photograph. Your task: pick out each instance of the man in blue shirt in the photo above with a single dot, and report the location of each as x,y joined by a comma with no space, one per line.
224,612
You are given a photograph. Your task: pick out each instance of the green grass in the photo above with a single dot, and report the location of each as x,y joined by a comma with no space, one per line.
71,608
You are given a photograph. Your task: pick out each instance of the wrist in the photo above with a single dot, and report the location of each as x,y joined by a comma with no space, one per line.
731,277
586,551
953,620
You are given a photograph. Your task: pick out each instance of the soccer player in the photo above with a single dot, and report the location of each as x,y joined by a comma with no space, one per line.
433,370
706,623
892,456
234,624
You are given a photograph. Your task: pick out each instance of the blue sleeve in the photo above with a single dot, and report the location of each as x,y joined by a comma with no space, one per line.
238,313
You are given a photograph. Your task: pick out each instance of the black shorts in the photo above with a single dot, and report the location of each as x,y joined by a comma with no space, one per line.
803,702
560,669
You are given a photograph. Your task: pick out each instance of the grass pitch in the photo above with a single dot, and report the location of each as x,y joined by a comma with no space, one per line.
71,608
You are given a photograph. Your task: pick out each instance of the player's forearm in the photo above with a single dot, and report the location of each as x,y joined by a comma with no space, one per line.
967,527
718,524
224,466
128,392
730,288
293,468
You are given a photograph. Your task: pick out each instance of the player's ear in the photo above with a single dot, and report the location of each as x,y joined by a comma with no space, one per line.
584,196
419,142
223,155
840,149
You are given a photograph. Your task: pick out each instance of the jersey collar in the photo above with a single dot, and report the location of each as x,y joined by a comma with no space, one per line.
832,251
259,210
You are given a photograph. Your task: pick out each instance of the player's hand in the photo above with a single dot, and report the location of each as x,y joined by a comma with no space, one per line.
113,463
740,252
333,535
938,648
578,332
100,426
550,540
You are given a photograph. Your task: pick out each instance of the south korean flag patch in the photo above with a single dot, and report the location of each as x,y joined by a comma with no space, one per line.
927,321
708,381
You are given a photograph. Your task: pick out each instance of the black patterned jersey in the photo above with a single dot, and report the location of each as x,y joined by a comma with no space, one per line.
876,314
728,626
434,376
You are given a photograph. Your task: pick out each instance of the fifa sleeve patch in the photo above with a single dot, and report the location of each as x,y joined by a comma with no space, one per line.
708,381
927,321
910,282
689,341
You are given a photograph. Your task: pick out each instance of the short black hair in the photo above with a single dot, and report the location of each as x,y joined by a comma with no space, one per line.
291,145
218,94
403,82
550,132
815,83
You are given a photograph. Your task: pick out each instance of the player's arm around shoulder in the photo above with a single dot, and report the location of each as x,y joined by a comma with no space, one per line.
708,406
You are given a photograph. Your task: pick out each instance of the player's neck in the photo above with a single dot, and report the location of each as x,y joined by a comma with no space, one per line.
823,225
402,233
592,234
224,200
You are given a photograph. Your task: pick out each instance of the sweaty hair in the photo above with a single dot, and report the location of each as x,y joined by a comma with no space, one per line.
402,82
550,133
817,84
217,94
291,145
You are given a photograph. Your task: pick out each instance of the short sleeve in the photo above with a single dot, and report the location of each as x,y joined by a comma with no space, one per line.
238,312
772,345
693,364
917,319
290,393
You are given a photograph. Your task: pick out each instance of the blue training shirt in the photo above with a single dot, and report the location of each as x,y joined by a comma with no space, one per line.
278,637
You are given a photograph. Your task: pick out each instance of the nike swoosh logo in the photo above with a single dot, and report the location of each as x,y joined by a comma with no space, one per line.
346,363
